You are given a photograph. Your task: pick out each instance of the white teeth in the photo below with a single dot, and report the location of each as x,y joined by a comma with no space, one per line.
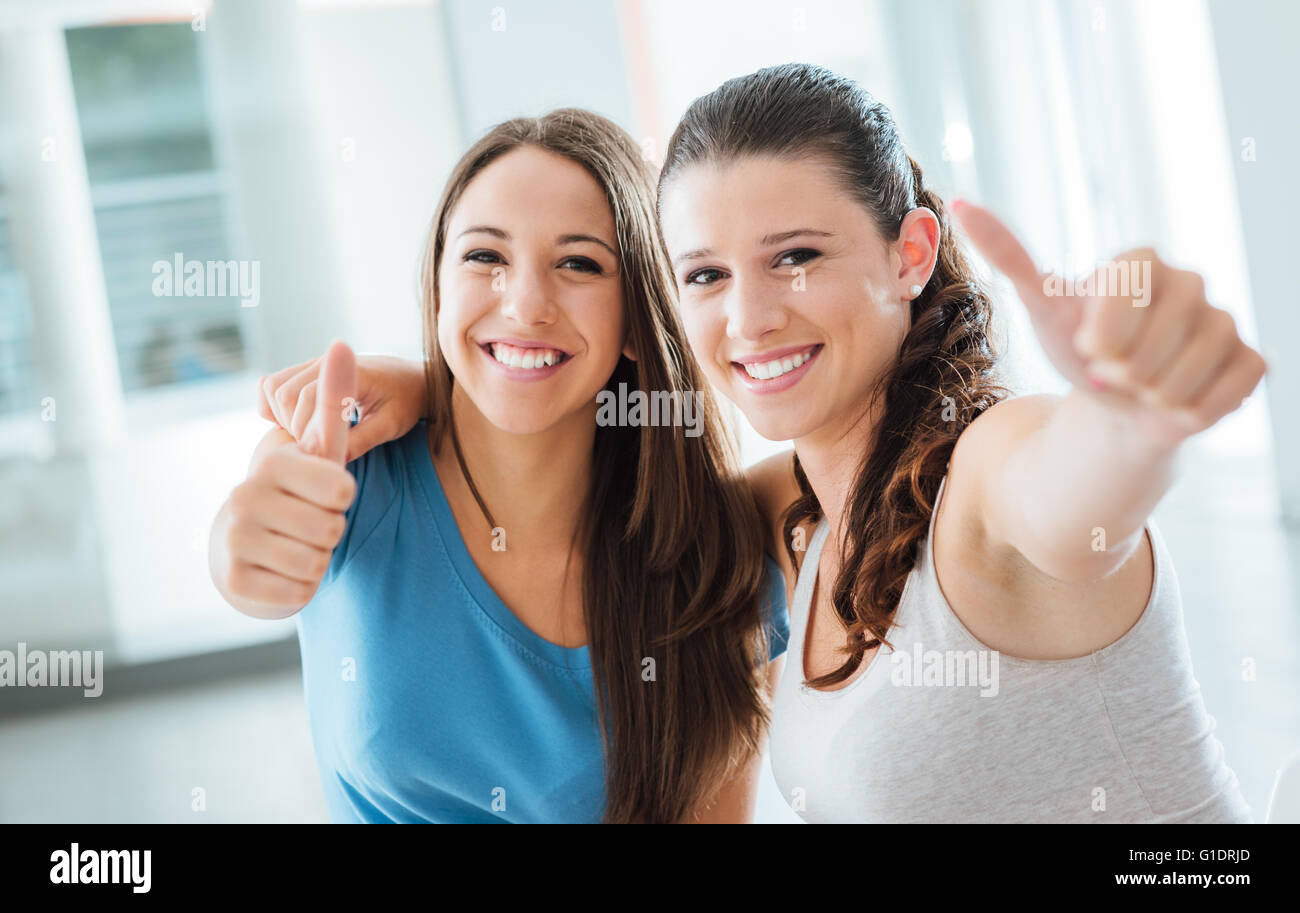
524,358
775,368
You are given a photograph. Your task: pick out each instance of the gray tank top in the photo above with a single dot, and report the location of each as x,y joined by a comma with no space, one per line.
943,729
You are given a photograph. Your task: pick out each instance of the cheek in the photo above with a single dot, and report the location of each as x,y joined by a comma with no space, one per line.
463,299
704,334
602,321
460,303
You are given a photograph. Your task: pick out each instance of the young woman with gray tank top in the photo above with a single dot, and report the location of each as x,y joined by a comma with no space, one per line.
999,551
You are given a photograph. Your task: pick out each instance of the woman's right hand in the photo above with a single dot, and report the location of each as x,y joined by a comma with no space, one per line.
273,539
390,396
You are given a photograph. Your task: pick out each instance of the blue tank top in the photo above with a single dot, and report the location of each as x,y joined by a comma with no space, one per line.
429,700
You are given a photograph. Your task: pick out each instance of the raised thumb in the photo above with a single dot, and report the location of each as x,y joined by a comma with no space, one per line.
327,432
999,245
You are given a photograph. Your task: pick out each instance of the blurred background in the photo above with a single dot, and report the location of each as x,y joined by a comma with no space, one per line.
307,141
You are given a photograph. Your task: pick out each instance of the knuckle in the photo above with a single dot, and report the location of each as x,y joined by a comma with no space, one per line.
280,460
347,488
1195,283
1205,415
334,529
240,502
282,399
238,580
236,537
1139,368
1222,323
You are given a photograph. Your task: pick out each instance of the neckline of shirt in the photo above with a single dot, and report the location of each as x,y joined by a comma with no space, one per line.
486,598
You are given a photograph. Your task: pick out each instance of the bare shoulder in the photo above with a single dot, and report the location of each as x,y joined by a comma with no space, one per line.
1003,599
980,455
1002,426
775,488
774,483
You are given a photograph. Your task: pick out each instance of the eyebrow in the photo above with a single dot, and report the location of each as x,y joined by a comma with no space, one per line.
776,238
561,240
794,233
578,239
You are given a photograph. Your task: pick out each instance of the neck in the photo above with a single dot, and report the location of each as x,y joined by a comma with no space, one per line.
534,485
830,457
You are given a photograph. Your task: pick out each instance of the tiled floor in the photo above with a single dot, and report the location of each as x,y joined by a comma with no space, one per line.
247,745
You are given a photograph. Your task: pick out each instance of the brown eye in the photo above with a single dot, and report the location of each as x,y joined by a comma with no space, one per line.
706,276
482,256
797,257
582,265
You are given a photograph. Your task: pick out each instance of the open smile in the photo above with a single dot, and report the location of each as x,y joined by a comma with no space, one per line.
520,360
773,372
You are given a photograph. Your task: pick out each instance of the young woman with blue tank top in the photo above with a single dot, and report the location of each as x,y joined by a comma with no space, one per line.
998,549
512,612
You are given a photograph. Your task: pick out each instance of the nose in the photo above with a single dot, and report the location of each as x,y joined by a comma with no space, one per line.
528,296
753,312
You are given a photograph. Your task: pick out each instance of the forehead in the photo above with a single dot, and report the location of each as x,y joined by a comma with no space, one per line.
752,196
530,188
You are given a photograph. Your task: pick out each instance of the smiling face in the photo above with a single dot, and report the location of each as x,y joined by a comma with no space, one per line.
530,315
792,300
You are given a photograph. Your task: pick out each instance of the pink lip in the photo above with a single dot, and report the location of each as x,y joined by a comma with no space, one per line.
524,374
522,343
779,384
771,356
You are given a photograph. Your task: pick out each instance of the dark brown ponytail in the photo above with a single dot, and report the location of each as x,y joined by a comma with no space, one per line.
945,374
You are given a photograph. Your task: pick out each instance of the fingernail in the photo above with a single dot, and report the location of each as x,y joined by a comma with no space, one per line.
1096,382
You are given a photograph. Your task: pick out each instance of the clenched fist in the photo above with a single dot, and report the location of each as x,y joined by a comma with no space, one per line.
1157,350
273,538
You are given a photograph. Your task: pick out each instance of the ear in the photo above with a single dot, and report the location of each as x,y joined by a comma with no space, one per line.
917,249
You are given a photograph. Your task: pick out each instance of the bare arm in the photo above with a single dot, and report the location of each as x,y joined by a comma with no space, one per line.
1064,481
1070,482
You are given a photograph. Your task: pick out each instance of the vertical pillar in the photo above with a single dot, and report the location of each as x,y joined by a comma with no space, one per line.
56,246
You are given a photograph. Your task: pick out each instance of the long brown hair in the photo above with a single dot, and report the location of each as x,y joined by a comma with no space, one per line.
945,373
672,543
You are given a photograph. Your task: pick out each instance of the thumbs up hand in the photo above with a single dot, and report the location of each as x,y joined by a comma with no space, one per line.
273,541
327,432
1138,333
391,395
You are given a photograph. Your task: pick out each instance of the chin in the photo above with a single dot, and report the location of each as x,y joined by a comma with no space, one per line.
522,421
781,425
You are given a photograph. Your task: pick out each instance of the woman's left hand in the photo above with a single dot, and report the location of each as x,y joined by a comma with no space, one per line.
1137,332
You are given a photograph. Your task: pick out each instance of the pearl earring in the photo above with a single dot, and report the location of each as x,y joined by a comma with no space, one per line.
916,290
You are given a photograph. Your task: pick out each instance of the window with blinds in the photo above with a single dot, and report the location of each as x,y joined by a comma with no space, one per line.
158,196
